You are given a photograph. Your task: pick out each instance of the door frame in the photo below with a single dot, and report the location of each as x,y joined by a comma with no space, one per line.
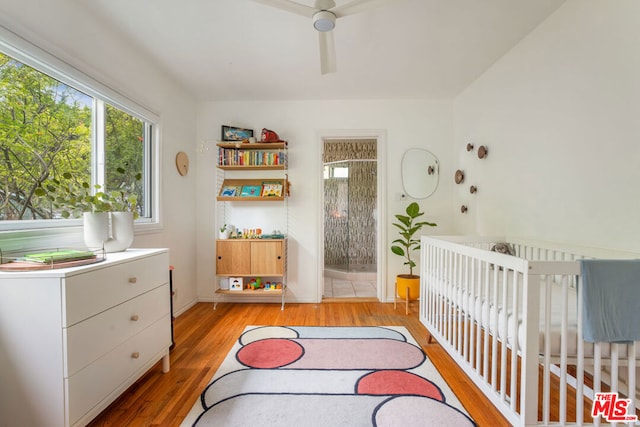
380,135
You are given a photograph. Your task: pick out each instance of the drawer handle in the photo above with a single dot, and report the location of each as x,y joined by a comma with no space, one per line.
133,280
279,257
220,257
135,355
135,318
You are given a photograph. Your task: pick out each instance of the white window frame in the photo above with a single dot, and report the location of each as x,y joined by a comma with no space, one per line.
17,233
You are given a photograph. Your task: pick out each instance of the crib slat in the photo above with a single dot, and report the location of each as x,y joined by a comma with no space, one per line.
614,369
503,356
465,308
471,309
448,306
631,356
615,351
515,345
580,364
481,342
460,328
494,335
597,369
458,319
546,389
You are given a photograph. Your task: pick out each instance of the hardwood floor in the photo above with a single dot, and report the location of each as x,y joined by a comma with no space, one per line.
203,338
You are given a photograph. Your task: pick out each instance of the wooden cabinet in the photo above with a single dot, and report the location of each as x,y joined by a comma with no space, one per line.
250,257
267,258
244,259
74,339
233,257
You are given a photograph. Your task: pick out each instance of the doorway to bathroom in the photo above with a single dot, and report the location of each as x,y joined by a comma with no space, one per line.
350,193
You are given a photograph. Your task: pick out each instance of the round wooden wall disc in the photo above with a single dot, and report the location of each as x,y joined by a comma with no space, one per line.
182,163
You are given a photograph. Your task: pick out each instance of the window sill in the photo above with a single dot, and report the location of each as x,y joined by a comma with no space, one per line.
50,234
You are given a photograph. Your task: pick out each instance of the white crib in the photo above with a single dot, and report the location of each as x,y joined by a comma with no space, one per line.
474,301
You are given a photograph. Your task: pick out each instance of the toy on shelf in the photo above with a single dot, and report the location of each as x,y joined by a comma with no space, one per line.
255,284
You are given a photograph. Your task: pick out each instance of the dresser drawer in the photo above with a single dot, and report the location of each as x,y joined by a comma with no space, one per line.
93,292
113,372
90,339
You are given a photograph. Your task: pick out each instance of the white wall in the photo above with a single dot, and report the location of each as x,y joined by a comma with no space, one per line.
407,124
65,30
560,115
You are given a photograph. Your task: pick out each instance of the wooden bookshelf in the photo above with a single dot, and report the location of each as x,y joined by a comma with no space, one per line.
251,172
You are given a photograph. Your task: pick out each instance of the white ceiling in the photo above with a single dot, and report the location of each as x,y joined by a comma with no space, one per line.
243,50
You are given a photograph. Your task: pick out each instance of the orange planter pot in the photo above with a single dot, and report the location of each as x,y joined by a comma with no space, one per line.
406,282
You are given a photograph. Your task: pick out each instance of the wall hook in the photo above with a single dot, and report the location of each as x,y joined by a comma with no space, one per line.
459,176
431,170
469,147
463,209
482,152
473,189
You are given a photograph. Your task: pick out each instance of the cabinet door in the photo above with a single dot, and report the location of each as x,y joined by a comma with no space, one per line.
267,258
233,257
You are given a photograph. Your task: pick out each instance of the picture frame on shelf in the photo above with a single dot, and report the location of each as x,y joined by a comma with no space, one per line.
231,133
251,191
271,189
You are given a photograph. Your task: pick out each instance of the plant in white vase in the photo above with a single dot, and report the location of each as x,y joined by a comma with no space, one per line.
74,199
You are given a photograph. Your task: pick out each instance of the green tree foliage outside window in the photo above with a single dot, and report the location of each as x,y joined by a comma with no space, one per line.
46,133
124,147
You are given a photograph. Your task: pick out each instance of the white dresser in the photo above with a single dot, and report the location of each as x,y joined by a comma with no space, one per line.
72,340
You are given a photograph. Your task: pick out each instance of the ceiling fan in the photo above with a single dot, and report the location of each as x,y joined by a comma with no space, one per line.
324,15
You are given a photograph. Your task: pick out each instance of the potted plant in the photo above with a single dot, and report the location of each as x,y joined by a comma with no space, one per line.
408,284
224,232
98,209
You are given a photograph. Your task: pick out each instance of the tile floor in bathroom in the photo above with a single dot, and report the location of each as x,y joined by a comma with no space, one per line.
341,288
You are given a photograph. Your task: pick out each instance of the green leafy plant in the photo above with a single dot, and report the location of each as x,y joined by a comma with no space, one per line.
223,228
73,198
408,227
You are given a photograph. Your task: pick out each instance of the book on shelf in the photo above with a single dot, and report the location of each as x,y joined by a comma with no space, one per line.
230,191
251,191
239,157
271,189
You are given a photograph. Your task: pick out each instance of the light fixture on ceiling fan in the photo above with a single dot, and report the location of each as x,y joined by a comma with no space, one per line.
324,15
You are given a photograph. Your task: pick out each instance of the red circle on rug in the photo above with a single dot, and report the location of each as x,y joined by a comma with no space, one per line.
398,382
269,353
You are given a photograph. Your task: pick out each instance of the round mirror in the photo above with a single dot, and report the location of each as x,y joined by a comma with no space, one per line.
420,172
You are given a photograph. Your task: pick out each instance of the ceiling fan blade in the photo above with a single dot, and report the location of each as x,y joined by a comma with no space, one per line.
357,6
324,4
327,52
289,6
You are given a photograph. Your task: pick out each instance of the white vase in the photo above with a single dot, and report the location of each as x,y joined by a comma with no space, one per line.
121,232
112,231
96,229
224,234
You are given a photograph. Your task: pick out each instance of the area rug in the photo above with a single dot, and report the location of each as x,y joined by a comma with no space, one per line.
327,376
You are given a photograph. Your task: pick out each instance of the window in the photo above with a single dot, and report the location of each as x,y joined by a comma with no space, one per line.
51,131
